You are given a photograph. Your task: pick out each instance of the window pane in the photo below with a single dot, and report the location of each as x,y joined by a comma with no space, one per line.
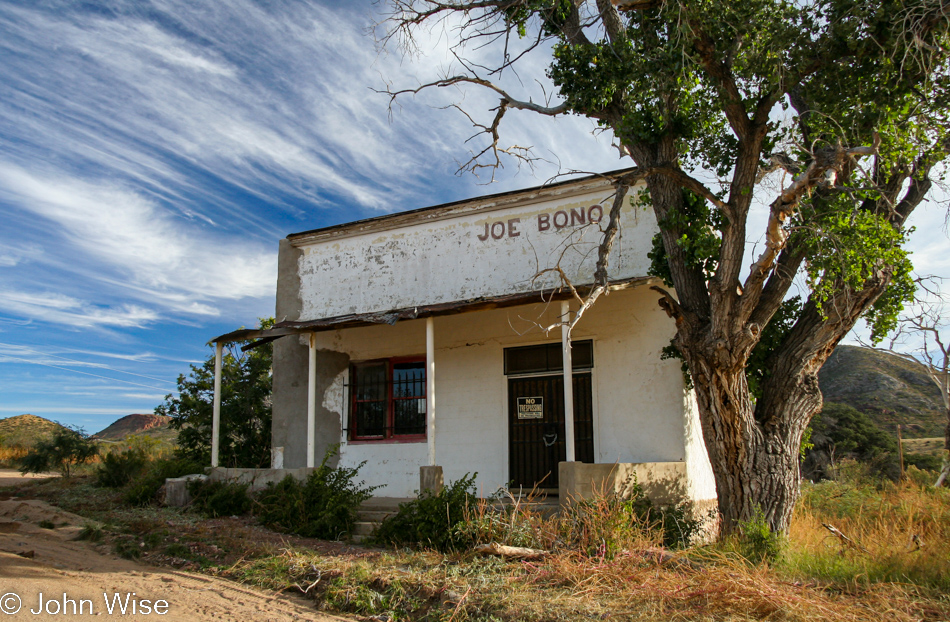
409,380
409,403
547,358
371,382
370,399
409,416
371,418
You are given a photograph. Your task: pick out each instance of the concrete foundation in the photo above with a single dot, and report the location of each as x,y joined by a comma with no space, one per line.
665,483
176,490
256,478
431,479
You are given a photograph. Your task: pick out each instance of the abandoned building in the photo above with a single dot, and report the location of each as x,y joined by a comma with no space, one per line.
429,344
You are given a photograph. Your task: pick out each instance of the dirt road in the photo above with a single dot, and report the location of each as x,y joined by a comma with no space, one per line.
77,582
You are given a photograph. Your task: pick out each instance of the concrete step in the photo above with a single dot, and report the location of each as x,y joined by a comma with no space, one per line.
363,528
374,516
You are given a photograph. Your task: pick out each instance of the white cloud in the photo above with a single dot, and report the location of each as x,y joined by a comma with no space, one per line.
143,248
59,309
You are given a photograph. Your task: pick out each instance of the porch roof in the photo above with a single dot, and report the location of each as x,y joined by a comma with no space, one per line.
259,336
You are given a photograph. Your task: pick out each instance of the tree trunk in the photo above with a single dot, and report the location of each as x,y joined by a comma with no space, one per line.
754,458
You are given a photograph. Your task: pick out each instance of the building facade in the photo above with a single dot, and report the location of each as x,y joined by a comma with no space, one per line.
433,339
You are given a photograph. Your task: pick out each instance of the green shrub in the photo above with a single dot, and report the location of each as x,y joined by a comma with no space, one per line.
757,542
142,490
214,499
120,468
324,506
431,519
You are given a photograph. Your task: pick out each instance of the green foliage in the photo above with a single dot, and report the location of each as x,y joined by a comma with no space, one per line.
840,432
324,506
848,247
143,489
65,449
246,385
697,227
120,468
214,498
431,519
758,543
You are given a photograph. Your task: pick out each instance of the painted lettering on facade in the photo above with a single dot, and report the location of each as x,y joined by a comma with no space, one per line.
545,221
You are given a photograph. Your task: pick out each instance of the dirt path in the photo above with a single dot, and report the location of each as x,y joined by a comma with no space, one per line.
34,560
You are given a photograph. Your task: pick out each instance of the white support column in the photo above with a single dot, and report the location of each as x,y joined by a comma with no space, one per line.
430,388
568,380
216,405
311,400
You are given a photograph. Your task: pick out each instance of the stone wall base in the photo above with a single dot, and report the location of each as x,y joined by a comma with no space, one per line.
665,483
257,478
431,479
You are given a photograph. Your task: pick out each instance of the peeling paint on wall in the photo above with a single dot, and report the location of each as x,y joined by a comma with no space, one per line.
467,256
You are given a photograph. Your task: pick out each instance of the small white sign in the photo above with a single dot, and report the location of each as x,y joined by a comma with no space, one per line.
531,408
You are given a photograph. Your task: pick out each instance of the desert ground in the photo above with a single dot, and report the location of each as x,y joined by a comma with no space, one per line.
35,560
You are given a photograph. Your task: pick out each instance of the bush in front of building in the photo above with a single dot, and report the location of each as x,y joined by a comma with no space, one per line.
118,468
324,506
432,518
143,489
215,499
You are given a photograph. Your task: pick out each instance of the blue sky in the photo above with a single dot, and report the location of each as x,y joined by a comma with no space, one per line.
153,152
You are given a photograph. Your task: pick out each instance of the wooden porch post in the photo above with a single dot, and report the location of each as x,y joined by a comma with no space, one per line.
568,380
216,405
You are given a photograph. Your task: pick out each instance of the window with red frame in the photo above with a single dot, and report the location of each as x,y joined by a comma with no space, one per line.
388,400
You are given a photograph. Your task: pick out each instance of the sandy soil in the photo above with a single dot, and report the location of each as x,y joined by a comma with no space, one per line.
34,560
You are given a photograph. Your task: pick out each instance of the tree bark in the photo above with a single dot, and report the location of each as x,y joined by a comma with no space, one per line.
755,462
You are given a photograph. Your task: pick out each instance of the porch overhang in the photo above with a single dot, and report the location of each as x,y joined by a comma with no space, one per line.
259,337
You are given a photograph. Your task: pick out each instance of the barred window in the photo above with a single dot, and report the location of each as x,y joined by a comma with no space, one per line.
388,400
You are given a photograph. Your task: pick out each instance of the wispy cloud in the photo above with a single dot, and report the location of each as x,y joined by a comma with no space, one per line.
59,309
139,247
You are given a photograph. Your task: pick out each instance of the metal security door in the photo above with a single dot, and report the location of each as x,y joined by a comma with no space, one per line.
536,428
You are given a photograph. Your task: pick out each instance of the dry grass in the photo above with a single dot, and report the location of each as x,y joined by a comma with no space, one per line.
9,456
603,565
932,446
901,532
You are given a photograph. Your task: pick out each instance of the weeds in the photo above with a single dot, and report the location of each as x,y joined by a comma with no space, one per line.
324,506
432,518
214,498
90,533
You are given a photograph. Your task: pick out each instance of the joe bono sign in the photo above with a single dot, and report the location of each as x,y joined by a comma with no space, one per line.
545,221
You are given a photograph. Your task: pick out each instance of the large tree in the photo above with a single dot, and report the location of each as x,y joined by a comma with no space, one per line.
831,114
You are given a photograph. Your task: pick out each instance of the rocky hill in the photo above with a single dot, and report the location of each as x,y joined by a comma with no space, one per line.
888,388
155,426
24,430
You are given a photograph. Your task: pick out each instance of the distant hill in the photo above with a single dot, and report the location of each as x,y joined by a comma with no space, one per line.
24,430
886,387
155,426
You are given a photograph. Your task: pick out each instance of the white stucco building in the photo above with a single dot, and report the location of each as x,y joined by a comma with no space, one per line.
419,340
